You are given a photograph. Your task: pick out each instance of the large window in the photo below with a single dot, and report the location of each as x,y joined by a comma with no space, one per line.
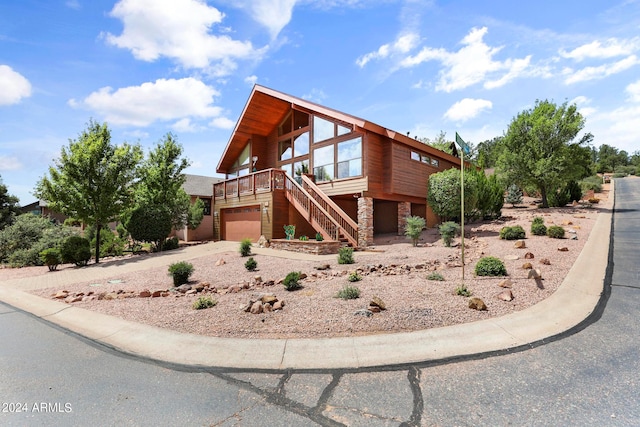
241,165
323,163
207,206
324,129
350,158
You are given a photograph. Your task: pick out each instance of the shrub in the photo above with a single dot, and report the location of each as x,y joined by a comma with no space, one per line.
180,271
148,223
345,255
171,244
76,250
490,197
245,247
574,190
204,302
319,237
514,195
594,200
512,233
110,244
463,291
555,232
490,266
290,231
443,193
619,175
24,233
591,183
414,227
304,238
51,258
292,281
559,198
538,229
251,264
448,230
348,292
72,222
538,220
435,276
354,277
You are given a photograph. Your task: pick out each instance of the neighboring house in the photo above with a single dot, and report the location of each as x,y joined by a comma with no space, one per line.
291,161
198,186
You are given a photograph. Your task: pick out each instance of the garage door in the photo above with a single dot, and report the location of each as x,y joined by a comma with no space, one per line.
241,223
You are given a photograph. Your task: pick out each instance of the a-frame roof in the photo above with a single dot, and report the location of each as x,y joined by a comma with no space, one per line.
266,108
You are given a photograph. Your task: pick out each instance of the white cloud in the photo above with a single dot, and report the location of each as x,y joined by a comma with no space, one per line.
618,127
73,4
179,30
601,71
251,80
222,123
316,95
274,15
609,49
164,99
582,102
9,163
466,109
184,125
633,90
470,65
404,44
13,86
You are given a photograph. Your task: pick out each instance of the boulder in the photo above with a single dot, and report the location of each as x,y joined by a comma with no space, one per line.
61,294
256,307
266,308
505,295
520,244
506,283
278,305
220,262
157,293
477,304
534,274
146,293
545,261
363,312
563,249
323,267
262,242
377,302
529,255
527,266
268,299
183,288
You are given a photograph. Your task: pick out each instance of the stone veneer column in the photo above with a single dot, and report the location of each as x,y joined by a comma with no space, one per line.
404,210
365,221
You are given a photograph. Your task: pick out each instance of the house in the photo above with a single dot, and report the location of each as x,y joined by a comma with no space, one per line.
291,161
199,187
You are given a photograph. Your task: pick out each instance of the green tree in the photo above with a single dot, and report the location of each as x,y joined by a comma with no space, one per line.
9,208
488,152
92,180
150,223
196,214
443,193
540,149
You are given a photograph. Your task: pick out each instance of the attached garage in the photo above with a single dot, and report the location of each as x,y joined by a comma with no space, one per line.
240,223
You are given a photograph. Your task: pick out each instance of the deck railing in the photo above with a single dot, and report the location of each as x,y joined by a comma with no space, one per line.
258,182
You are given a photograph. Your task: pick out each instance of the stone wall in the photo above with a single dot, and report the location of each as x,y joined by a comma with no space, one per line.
404,210
325,247
365,222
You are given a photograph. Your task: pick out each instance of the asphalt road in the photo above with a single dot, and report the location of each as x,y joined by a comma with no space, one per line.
588,378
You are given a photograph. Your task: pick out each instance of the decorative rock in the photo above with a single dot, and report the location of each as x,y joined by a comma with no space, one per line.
183,288
477,304
363,312
156,294
377,302
374,309
534,274
191,292
505,295
529,255
234,289
247,308
574,237
545,261
563,249
257,279
256,307
511,257
262,242
198,288
220,262
266,308
61,294
527,266
278,305
323,267
268,299
145,293
520,244
506,283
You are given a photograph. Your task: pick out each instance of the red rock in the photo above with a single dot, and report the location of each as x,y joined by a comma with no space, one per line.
145,293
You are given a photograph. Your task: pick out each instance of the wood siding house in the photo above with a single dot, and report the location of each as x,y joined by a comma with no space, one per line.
291,161
199,187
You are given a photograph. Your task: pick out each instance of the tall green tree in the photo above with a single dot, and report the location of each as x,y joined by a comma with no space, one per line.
9,208
93,179
540,148
488,152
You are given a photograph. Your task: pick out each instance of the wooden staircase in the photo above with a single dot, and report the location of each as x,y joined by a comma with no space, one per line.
324,215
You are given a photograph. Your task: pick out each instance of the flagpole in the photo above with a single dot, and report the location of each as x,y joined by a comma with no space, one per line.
462,208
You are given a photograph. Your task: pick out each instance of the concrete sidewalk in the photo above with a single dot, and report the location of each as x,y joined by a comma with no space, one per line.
572,303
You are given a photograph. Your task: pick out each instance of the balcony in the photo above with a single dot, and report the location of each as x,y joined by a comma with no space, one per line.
263,181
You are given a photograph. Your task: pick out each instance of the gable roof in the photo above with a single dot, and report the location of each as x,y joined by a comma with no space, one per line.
199,185
266,108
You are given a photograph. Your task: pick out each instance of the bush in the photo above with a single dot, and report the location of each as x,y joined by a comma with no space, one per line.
448,230
414,227
490,197
204,302
514,195
251,264
289,231
171,243
619,175
245,247
435,276
180,271
110,244
345,255
72,222
348,292
591,183
555,232
490,266
51,258
76,250
443,193
559,198
303,238
538,220
574,190
292,281
594,200
463,291
512,233
538,229
319,237
151,224
354,277
24,233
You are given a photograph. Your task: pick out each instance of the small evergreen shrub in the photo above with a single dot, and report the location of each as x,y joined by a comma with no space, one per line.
345,255
171,244
448,230
354,277
490,266
348,292
303,238
251,264
538,220
245,247
559,198
204,302
51,258
555,232
435,276
512,233
76,250
514,195
538,229
180,271
292,281
574,190
414,227
319,237
289,231
463,291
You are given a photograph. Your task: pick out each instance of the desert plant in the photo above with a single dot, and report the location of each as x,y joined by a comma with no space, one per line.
591,183
348,292
435,276
414,227
303,238
180,271
319,237
290,231
292,281
555,232
354,277
345,255
574,190
490,266
76,250
490,195
463,291
251,264
448,230
594,200
538,229
514,195
559,197
537,220
245,247
51,258
512,233
204,302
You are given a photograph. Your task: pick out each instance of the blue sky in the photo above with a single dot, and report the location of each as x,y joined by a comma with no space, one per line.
148,67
